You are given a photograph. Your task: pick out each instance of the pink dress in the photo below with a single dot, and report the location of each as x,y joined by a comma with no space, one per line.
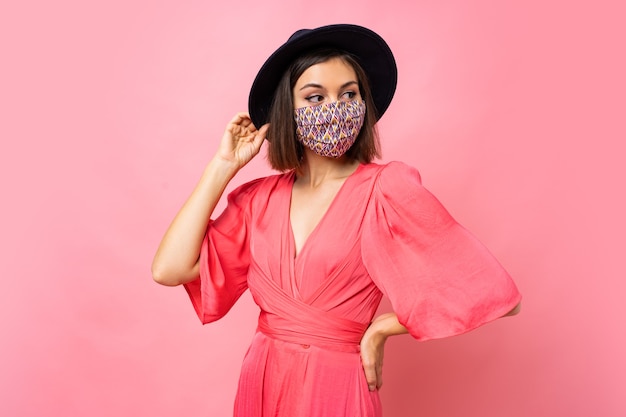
384,233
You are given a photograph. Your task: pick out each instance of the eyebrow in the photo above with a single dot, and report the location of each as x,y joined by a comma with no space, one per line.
321,86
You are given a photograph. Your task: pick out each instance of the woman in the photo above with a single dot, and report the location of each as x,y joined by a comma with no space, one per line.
319,244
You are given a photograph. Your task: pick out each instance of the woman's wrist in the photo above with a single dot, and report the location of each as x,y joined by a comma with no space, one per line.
386,325
224,165
378,332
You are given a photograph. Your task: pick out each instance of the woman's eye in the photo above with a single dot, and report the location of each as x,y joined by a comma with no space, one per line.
349,95
316,98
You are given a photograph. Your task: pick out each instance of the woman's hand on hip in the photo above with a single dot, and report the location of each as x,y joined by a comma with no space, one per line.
372,353
241,141
373,346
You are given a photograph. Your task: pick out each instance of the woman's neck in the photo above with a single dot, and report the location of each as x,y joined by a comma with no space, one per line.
316,169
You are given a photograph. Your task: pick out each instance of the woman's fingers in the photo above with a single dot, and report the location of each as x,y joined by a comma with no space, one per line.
372,354
241,117
372,361
241,126
370,375
261,135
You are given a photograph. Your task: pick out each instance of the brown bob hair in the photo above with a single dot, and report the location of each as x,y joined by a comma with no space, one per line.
285,152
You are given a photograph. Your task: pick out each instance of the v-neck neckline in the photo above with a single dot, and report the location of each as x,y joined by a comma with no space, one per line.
294,254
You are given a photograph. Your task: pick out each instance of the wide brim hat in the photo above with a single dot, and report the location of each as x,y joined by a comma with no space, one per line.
369,49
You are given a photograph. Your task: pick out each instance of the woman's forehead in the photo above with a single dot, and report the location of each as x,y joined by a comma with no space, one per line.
333,71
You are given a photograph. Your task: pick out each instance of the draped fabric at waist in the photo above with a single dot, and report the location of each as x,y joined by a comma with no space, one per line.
321,330
290,319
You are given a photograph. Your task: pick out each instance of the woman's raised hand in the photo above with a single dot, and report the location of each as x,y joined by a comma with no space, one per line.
176,261
241,141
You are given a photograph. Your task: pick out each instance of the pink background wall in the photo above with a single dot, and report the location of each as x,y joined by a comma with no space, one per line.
514,115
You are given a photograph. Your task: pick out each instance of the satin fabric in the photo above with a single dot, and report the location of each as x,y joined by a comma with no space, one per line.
384,233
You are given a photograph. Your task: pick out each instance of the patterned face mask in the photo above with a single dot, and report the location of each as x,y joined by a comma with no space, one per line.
330,129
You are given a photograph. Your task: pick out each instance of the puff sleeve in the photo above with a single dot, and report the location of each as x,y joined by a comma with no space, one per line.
440,279
224,259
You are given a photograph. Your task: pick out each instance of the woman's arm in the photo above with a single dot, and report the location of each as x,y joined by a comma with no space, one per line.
176,259
373,344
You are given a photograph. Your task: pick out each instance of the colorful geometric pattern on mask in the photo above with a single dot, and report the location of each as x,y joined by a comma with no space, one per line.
330,129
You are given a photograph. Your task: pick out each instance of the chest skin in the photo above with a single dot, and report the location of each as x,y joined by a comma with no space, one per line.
308,207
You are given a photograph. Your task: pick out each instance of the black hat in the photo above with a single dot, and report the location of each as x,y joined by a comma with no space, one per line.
369,49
